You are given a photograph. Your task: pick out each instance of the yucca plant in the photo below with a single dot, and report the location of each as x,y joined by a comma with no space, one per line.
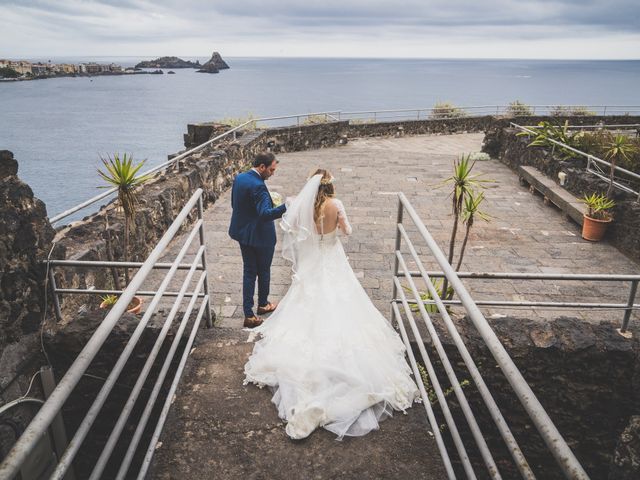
470,212
122,173
620,148
464,184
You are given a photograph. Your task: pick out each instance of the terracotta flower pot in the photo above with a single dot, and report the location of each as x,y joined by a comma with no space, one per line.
594,229
135,306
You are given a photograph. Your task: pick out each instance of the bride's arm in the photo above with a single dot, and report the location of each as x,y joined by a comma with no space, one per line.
343,221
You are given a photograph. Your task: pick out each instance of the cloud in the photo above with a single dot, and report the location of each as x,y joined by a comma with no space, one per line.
329,27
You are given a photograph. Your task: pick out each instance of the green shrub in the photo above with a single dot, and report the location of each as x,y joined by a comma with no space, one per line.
576,111
447,110
6,72
518,109
361,121
237,121
315,120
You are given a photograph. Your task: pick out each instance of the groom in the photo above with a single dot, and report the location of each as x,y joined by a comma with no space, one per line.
252,226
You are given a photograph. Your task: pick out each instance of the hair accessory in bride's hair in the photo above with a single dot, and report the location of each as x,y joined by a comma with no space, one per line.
326,181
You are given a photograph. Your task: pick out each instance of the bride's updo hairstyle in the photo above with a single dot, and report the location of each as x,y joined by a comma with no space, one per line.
325,191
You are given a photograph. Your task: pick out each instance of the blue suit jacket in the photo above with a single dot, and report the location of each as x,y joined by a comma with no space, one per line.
253,212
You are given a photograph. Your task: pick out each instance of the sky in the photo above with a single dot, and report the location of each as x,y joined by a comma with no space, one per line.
549,29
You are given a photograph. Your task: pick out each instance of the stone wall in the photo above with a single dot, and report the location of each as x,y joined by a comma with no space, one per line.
586,377
25,240
99,236
312,136
512,150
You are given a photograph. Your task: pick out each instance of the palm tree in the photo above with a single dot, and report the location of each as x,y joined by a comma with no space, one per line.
620,148
464,184
123,174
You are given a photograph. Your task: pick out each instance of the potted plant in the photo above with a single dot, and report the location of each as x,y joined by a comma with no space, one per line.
134,306
598,216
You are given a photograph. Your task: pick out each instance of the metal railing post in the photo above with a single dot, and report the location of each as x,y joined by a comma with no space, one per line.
629,310
57,425
396,263
12,462
54,294
210,316
545,426
604,112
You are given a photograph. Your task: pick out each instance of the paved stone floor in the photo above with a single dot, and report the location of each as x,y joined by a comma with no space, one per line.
524,235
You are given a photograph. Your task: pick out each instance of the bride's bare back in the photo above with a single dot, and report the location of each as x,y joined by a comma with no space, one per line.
333,216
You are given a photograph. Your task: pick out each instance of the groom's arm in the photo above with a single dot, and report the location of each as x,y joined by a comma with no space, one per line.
264,205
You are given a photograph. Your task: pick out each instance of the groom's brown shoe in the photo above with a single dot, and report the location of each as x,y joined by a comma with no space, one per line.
268,308
252,322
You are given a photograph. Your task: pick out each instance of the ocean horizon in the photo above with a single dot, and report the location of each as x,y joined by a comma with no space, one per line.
59,128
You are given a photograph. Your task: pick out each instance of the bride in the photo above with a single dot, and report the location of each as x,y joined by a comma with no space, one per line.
330,357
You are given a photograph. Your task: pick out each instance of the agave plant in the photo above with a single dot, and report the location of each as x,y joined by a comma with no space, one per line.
598,206
620,148
547,134
122,173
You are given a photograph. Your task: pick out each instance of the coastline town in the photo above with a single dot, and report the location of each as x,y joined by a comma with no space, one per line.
12,70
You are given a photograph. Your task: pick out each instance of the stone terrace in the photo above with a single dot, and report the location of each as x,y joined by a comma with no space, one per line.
524,235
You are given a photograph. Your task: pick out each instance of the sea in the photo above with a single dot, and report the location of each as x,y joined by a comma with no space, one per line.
58,129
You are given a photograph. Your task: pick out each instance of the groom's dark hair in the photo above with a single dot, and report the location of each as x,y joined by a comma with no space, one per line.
264,158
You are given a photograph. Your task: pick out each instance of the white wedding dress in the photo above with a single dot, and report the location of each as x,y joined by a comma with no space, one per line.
330,357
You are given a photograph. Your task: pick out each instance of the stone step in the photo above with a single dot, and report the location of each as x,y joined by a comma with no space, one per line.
552,192
219,428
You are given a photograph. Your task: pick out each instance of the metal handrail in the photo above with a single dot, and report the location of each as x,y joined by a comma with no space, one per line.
335,115
590,160
12,463
628,307
555,443
595,127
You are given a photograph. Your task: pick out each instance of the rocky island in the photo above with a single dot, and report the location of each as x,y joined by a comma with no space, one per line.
213,65
168,62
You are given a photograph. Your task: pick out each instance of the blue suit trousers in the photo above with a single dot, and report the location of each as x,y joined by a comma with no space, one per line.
256,263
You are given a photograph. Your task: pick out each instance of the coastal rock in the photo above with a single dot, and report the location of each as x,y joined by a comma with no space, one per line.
25,240
8,166
208,68
626,460
215,62
168,62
